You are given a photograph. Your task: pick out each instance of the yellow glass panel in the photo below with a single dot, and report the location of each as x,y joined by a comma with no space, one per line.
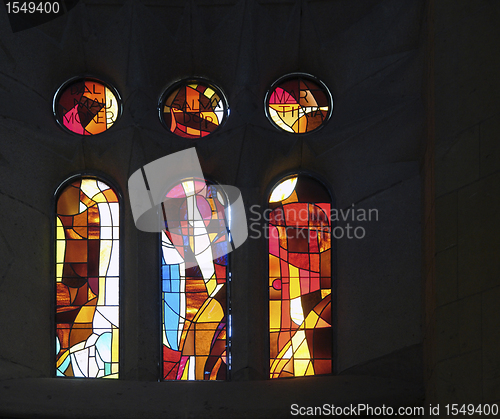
211,286
311,320
100,198
294,281
60,252
283,190
59,230
324,293
114,345
298,338
211,312
102,291
280,364
111,108
275,315
210,116
302,351
209,92
62,358
85,315
310,369
300,367
192,131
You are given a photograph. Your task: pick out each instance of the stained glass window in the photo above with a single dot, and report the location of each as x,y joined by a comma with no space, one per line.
86,106
87,279
193,108
194,279
300,266
298,103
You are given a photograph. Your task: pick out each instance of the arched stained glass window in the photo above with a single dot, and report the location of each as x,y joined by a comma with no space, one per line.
86,106
298,103
194,278
87,279
193,108
300,266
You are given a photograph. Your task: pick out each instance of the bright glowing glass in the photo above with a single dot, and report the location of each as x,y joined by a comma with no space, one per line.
283,190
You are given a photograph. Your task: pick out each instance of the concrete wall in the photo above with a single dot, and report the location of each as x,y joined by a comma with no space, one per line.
372,55
463,338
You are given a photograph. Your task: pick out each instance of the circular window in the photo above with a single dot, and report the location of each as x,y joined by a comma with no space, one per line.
193,108
298,103
86,106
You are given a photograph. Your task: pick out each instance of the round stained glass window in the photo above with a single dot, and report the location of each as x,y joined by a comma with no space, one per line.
86,106
298,103
193,108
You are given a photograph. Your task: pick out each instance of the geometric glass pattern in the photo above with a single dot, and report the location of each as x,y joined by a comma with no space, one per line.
300,267
298,103
193,108
87,279
194,283
86,106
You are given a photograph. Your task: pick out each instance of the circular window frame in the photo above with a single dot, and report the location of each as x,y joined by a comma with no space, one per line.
83,78
299,75
185,82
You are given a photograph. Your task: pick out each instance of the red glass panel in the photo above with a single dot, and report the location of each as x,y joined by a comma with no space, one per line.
307,239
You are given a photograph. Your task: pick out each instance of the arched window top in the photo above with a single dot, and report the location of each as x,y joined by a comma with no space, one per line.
298,103
308,189
87,279
193,108
86,106
194,280
300,273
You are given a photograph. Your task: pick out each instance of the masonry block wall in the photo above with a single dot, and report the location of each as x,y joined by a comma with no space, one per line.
416,111
466,362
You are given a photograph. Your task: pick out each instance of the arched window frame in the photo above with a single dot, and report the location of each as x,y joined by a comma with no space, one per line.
100,176
228,313
321,180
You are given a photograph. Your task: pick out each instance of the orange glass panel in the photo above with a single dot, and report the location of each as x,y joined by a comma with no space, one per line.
193,108
87,312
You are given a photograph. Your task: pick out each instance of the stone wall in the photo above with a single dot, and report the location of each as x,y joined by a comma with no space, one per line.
372,55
